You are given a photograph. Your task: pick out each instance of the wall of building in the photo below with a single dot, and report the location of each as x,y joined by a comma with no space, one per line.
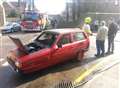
1,16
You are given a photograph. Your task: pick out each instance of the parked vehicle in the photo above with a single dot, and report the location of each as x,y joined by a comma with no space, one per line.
11,27
33,21
49,48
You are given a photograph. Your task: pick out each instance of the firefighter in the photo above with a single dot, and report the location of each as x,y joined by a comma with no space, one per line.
86,26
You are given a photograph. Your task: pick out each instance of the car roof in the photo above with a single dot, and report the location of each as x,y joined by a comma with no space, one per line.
64,31
12,23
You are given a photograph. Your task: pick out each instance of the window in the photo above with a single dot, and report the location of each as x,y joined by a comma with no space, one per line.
47,38
78,36
65,39
30,16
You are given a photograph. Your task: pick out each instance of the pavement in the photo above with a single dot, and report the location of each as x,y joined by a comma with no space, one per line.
108,79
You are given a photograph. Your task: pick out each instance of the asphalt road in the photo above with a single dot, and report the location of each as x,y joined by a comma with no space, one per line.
9,79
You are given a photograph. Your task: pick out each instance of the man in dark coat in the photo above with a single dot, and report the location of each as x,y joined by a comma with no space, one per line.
113,28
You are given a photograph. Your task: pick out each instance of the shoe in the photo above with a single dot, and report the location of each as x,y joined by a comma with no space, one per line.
102,55
112,52
97,55
107,53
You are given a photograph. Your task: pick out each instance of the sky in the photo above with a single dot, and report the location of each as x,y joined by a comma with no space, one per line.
49,6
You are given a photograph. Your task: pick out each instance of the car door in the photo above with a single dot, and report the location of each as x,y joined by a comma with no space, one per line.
36,60
79,42
63,52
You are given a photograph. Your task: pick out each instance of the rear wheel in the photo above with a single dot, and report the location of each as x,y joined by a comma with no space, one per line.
80,55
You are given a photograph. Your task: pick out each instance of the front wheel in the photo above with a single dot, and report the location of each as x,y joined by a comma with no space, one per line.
19,29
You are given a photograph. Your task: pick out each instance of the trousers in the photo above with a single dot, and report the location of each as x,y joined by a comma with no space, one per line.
111,43
100,47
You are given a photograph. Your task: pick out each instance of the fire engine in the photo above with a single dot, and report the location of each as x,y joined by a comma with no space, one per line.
33,20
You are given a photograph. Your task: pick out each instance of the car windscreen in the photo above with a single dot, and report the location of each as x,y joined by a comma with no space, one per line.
47,38
9,24
30,16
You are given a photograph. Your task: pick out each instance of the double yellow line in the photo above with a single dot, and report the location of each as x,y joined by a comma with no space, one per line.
86,73
93,68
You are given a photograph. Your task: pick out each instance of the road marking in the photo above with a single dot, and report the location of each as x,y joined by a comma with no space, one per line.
2,59
5,64
91,69
86,73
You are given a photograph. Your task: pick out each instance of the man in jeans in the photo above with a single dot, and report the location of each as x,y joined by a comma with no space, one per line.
113,28
100,39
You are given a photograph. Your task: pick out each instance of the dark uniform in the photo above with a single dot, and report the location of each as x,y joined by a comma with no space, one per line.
113,28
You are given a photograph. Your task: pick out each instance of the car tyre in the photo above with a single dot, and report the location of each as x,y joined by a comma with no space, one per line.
12,30
19,29
80,55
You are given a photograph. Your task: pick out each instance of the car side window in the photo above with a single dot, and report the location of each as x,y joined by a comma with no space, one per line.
78,36
65,39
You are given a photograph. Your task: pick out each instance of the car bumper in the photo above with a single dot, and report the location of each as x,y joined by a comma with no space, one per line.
12,63
28,29
13,66
6,31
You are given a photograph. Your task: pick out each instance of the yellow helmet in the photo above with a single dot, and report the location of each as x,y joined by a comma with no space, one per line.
88,20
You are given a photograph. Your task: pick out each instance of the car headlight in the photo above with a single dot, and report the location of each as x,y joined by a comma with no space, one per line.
17,64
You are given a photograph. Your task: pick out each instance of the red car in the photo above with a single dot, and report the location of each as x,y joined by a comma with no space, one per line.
49,48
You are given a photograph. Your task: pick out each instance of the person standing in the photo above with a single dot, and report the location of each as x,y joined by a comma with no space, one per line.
54,23
113,28
86,26
100,39
96,25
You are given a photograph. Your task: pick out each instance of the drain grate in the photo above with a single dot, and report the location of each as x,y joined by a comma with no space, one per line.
64,84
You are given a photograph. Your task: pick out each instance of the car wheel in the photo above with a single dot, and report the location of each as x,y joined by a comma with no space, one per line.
12,30
87,48
80,55
18,29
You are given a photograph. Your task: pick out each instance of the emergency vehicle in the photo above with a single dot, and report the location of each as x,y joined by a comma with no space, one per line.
33,20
